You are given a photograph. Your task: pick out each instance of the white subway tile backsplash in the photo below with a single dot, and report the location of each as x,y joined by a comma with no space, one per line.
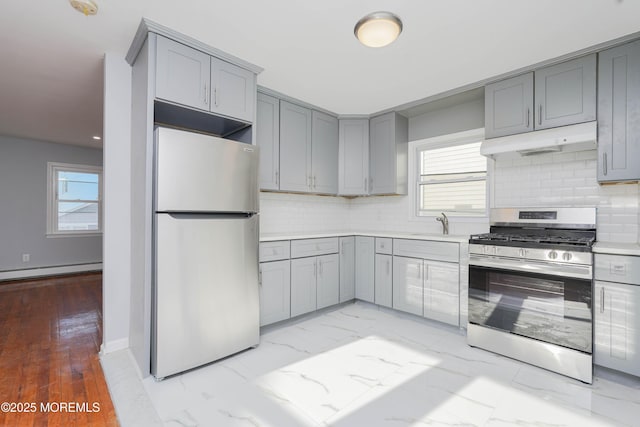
569,179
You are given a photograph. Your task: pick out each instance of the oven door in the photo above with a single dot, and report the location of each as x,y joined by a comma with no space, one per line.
545,301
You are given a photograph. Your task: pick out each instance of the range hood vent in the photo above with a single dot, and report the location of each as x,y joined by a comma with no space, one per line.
580,137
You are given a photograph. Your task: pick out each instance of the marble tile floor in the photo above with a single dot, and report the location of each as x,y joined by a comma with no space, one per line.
360,365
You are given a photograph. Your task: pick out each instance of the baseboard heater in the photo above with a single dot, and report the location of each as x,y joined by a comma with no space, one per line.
49,271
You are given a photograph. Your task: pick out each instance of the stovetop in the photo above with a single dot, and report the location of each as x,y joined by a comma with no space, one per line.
497,238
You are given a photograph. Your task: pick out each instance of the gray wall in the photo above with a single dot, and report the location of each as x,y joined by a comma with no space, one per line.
23,206
457,118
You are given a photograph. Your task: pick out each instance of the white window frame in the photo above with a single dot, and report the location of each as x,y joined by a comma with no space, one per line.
52,198
458,138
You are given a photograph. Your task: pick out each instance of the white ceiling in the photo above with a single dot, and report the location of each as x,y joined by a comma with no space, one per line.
51,56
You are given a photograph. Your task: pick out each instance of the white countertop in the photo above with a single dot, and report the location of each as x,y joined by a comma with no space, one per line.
394,235
617,248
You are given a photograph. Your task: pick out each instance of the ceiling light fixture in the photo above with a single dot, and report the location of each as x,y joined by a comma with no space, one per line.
378,29
88,7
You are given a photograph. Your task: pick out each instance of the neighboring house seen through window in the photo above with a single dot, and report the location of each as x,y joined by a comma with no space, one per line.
75,199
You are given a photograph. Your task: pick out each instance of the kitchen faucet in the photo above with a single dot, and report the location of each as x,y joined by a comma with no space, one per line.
445,223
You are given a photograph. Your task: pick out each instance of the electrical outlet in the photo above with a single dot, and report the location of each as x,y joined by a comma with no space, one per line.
26,257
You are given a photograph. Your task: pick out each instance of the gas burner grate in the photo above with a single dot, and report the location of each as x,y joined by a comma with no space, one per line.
526,238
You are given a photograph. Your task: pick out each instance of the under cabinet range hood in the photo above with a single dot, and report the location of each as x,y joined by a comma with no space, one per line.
580,137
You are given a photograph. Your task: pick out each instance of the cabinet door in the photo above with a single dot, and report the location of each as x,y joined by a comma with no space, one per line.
233,90
617,326
441,292
182,74
328,283
268,139
347,268
408,284
275,291
508,106
303,285
353,152
384,280
619,113
565,93
365,270
295,147
324,153
382,154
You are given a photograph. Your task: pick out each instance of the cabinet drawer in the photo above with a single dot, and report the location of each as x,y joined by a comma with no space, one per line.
384,245
274,251
427,249
618,268
314,247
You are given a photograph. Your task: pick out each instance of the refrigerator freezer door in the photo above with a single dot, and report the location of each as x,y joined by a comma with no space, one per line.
200,173
206,290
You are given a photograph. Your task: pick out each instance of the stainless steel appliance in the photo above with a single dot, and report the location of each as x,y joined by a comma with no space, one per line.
205,250
530,288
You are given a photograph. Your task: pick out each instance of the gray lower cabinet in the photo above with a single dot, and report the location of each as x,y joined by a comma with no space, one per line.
295,147
384,280
441,292
408,287
353,157
182,74
616,304
553,96
347,268
619,113
365,268
388,150
275,291
324,153
268,139
327,280
303,285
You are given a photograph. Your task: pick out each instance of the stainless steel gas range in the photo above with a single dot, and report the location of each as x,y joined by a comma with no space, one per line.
531,285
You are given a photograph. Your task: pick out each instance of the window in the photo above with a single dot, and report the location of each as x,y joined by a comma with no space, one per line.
451,176
74,199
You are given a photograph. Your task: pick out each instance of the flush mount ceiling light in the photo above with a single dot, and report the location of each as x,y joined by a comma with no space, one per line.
88,7
378,29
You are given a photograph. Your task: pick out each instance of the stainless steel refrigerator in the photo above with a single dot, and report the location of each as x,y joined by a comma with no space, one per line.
205,223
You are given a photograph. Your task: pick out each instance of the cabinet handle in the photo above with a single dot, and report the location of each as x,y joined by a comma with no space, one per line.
388,267
528,116
215,96
366,189
277,178
602,300
206,101
604,163
314,181
540,114
260,276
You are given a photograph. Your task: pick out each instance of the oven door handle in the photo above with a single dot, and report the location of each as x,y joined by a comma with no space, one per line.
550,269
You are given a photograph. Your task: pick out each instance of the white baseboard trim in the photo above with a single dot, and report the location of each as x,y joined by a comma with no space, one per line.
115,345
49,271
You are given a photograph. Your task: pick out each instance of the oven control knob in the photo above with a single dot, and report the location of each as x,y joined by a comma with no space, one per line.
553,255
567,256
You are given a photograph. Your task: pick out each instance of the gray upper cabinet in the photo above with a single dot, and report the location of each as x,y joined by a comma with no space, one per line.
189,77
508,106
268,139
182,74
353,157
557,95
295,147
619,113
388,145
566,93
233,90
324,153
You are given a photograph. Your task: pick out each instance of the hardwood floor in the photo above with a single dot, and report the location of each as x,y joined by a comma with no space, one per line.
50,335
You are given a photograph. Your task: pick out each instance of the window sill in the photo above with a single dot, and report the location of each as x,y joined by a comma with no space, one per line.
74,234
